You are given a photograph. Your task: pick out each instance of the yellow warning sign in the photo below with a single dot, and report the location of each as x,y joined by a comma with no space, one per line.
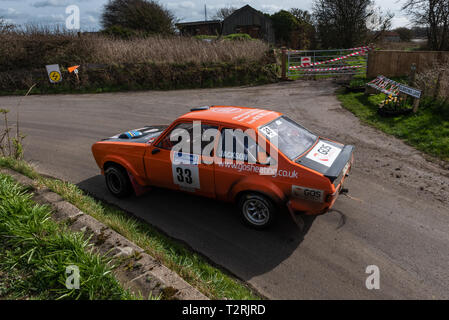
54,73
55,76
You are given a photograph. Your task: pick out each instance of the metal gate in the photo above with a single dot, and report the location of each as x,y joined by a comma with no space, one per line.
327,63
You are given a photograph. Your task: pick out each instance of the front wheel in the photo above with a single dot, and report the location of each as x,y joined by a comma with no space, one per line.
117,181
257,211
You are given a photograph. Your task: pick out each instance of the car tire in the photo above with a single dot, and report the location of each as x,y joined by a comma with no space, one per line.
257,211
117,181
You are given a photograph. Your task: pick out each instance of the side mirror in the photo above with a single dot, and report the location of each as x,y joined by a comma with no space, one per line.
155,150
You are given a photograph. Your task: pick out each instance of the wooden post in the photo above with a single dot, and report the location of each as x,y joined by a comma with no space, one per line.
411,83
411,80
284,63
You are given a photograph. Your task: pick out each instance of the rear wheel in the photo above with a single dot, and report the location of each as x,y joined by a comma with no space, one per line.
257,211
117,181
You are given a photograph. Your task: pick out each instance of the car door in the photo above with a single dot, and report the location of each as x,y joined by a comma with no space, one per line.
235,160
182,169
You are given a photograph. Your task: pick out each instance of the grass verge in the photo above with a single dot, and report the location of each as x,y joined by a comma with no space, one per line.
192,267
427,130
35,252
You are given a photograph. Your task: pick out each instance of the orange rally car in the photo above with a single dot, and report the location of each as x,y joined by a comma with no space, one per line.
259,159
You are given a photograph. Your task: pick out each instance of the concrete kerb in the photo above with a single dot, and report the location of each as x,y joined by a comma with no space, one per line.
136,270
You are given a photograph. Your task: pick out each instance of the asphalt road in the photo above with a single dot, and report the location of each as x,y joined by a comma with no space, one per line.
397,217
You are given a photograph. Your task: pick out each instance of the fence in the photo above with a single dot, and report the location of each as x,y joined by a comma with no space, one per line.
337,62
397,63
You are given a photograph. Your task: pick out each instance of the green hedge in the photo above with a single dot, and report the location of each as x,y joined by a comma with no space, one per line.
146,76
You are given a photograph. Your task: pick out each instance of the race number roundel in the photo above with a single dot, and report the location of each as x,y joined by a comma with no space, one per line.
185,170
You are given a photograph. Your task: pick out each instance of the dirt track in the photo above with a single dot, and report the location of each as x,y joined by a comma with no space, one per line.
397,218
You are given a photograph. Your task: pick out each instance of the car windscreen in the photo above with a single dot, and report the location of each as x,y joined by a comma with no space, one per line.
293,139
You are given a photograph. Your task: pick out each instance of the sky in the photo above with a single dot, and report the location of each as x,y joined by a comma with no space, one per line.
50,12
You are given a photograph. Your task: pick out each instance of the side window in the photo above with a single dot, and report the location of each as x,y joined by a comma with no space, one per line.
187,132
167,143
236,145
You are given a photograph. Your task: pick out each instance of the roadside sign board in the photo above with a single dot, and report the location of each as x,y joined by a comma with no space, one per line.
410,91
54,73
389,86
306,61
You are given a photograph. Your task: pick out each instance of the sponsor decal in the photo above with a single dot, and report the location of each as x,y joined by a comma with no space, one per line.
266,171
268,132
185,158
252,116
226,110
324,153
133,133
308,193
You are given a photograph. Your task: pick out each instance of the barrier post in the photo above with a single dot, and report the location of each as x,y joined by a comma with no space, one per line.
283,63
412,84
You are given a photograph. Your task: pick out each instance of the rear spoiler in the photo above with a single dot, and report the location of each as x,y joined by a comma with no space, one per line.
345,155
334,171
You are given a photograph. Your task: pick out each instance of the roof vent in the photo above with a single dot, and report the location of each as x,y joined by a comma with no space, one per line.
200,108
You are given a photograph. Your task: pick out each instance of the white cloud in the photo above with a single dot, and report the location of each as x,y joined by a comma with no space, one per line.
10,13
400,21
51,3
271,8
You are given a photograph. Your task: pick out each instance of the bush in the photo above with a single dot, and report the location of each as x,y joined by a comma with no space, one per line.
205,37
238,36
141,15
111,64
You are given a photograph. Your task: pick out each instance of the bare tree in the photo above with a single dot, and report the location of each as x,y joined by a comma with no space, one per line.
378,22
434,15
224,12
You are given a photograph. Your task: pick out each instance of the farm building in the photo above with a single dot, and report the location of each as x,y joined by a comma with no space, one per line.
210,28
391,36
249,20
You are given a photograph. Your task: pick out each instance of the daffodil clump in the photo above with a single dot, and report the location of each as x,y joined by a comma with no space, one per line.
394,102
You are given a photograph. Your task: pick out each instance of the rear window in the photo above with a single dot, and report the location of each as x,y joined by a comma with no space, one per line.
293,139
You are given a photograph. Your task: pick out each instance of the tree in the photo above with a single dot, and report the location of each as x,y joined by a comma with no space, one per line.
404,33
143,16
306,29
345,23
224,12
284,23
302,15
434,15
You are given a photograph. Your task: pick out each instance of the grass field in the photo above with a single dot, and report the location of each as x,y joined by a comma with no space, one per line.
35,251
427,130
192,267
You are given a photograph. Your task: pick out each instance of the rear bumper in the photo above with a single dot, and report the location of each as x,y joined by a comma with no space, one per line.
296,206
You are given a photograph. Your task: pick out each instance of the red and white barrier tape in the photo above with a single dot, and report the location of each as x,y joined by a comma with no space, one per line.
364,48
385,85
325,69
331,60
